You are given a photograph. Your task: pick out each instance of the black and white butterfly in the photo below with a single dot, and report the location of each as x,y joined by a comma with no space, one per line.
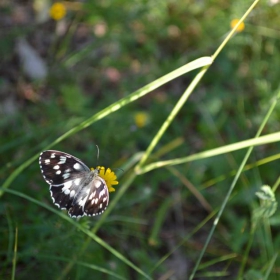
73,185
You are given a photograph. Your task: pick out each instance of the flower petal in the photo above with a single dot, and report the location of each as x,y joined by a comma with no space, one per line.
109,176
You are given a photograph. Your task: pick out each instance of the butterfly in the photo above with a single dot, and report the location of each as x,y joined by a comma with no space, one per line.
74,186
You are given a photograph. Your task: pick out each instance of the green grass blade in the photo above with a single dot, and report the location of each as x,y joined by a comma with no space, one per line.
113,108
243,163
84,264
159,219
187,237
171,117
81,228
15,255
269,138
125,185
271,266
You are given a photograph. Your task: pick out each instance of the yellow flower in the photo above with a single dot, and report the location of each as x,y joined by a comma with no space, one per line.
240,27
141,119
57,11
109,176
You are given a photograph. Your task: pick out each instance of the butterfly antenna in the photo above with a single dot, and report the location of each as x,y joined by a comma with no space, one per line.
119,169
97,154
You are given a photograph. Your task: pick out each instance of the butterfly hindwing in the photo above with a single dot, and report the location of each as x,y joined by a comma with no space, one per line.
98,198
91,200
64,194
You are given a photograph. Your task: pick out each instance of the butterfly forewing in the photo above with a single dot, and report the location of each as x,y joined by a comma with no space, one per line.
73,185
58,167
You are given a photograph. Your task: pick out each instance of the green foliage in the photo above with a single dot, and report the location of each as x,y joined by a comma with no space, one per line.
115,64
268,203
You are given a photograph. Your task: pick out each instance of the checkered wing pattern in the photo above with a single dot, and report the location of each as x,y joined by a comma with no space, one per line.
73,186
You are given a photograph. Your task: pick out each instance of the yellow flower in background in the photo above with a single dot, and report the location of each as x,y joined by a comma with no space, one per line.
109,176
57,11
241,26
141,119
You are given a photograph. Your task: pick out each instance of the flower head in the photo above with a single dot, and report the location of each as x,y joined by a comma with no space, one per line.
240,27
109,176
141,119
57,11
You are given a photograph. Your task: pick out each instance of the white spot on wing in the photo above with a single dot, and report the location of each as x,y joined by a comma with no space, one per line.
53,155
92,195
67,191
56,167
47,161
62,160
102,193
77,166
82,201
66,186
72,193
66,175
97,184
58,172
77,181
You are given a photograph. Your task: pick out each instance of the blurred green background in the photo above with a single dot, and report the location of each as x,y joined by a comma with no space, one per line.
56,73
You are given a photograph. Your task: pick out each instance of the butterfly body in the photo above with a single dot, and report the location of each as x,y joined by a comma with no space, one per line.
73,186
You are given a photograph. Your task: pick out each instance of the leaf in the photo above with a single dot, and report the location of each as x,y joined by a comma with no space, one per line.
268,204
